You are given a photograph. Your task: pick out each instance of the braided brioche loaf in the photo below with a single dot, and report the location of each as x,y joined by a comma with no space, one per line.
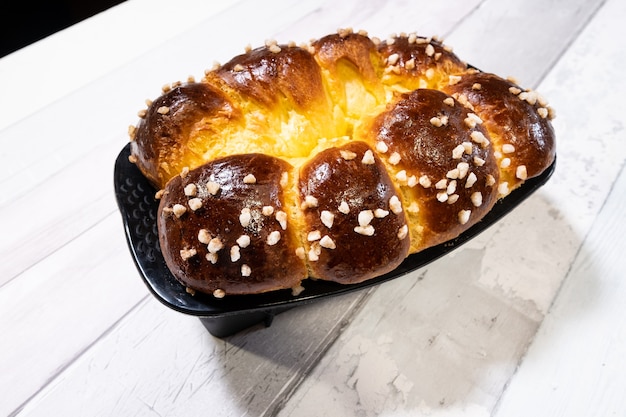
333,160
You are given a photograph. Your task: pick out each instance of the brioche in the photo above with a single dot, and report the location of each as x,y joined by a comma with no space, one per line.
333,160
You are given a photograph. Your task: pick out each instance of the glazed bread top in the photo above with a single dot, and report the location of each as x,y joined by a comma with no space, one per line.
370,150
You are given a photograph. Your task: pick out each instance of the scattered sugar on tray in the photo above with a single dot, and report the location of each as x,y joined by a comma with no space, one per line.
395,158
204,236
471,180
477,198
368,158
327,242
395,205
273,238
327,218
245,217
281,218
215,245
195,203
344,207
243,241
187,253
365,217
179,210
235,253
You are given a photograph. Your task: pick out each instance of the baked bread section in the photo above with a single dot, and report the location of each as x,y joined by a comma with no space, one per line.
354,226
332,160
443,163
518,123
224,226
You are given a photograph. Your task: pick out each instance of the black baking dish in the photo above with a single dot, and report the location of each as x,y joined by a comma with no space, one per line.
223,317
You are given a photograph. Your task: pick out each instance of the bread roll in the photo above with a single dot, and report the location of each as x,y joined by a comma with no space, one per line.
333,160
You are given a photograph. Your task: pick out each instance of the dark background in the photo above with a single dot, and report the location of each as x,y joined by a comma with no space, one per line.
23,22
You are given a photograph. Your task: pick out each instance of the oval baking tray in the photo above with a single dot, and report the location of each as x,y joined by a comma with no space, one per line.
226,316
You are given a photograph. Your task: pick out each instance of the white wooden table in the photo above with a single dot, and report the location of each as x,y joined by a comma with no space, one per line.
528,319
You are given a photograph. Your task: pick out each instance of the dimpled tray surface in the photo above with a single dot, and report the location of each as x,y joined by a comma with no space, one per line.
222,317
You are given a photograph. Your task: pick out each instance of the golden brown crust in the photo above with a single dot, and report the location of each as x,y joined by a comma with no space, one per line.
161,144
417,62
354,225
441,143
289,78
444,168
521,136
221,227
345,56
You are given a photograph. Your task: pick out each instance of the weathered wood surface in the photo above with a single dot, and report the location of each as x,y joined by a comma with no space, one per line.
83,336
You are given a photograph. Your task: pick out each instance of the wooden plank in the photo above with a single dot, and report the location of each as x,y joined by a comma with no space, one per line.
32,86
421,344
60,306
508,30
74,199
579,347
381,19
157,361
575,366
